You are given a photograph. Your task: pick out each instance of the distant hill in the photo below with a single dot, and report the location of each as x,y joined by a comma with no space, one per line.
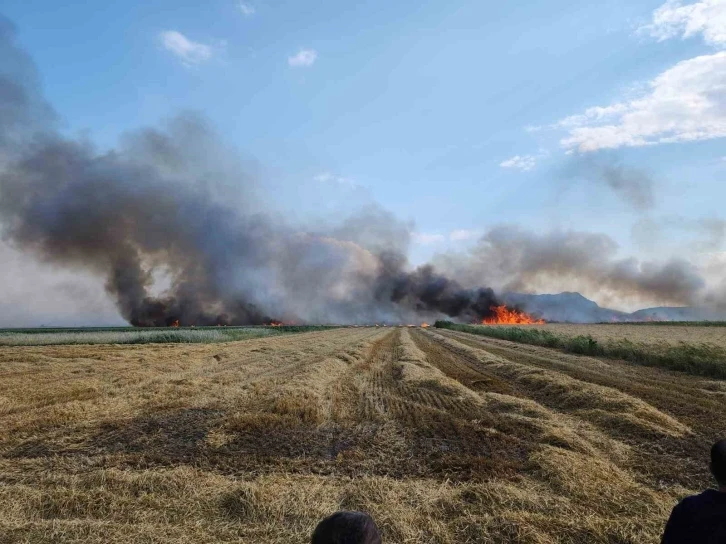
686,313
575,308
568,306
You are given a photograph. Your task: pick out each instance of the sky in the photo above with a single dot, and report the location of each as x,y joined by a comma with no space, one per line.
457,116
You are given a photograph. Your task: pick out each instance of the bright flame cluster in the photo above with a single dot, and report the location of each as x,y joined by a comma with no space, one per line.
505,316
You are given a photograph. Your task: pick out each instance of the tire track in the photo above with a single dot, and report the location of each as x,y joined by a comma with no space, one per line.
674,393
692,400
461,368
615,412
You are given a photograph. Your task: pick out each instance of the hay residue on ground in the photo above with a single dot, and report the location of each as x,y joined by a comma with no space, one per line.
442,436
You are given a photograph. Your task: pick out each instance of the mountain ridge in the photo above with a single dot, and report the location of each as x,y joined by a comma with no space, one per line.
573,307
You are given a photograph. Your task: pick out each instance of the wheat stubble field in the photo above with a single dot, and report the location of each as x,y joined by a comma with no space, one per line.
648,333
443,436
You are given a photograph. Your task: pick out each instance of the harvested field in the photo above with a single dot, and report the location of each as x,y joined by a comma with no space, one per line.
633,343
443,436
646,333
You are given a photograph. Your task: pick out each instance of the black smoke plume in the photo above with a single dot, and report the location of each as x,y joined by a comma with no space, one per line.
156,210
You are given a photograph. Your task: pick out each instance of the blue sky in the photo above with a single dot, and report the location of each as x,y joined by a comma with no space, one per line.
457,115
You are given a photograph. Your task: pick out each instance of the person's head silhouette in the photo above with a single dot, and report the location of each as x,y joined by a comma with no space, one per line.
718,462
347,528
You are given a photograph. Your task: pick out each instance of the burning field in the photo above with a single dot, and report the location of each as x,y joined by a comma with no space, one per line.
501,315
443,436
230,418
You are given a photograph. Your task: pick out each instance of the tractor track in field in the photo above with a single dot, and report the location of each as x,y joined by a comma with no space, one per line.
678,396
675,393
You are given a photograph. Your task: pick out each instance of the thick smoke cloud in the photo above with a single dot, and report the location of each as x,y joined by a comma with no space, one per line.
155,211
179,230
513,259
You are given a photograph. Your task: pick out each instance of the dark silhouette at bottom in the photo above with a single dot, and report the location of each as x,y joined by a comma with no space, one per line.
701,519
347,528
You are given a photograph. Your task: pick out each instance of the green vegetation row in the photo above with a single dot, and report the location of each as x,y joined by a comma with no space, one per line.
697,359
136,335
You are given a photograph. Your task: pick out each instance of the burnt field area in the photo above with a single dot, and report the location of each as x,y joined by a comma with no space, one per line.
443,436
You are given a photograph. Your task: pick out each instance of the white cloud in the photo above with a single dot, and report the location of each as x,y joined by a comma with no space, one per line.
685,103
425,238
327,177
521,162
188,51
457,235
246,9
460,235
674,19
591,115
304,57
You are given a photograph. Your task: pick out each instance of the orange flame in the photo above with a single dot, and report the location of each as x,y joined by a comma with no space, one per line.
505,316
276,324
424,325
175,323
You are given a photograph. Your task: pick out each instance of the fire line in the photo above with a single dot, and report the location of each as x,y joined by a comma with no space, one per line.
505,316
